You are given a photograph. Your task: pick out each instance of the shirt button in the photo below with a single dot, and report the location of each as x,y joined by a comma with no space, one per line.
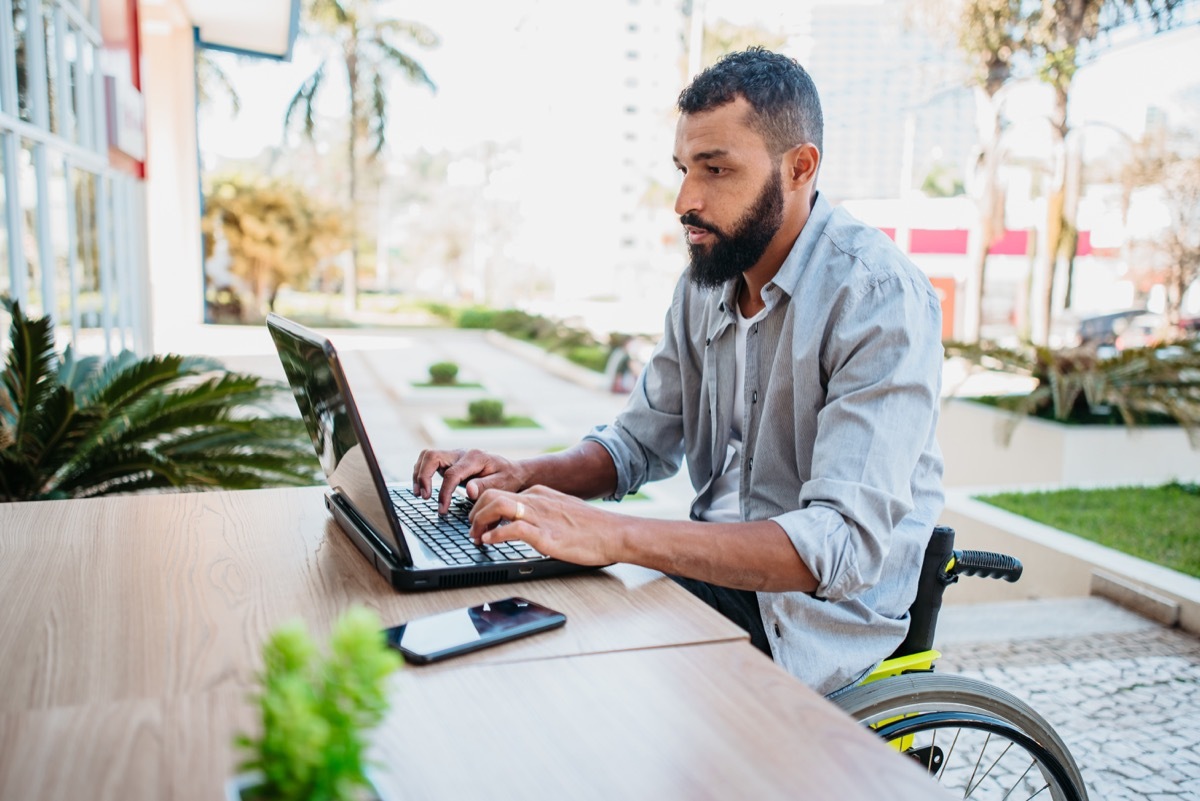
778,633
750,465
708,341
754,397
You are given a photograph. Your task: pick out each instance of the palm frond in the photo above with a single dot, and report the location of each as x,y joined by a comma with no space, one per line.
421,34
123,381
29,370
379,114
74,373
405,63
1136,385
305,97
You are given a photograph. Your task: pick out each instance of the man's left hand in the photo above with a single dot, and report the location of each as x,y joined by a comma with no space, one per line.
558,525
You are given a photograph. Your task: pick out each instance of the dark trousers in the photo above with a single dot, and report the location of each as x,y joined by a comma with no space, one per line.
740,606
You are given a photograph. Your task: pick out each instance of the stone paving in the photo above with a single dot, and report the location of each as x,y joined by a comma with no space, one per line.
1126,703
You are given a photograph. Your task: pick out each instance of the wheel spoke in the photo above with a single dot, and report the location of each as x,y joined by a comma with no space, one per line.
992,766
1020,779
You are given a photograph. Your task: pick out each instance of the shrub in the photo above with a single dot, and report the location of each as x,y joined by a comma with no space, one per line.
314,710
478,317
72,427
443,373
1134,386
593,357
486,412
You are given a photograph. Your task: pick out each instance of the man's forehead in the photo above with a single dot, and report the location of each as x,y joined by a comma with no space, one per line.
725,128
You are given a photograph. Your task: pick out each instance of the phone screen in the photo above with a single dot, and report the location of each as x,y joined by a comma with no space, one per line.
460,631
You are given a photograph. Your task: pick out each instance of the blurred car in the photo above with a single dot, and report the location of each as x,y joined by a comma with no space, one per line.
1103,329
1142,331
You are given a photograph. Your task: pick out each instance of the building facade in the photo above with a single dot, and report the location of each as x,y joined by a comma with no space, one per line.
100,194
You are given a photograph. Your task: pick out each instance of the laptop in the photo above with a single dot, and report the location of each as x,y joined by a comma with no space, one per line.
403,536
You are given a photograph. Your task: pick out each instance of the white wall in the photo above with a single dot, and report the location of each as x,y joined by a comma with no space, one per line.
172,170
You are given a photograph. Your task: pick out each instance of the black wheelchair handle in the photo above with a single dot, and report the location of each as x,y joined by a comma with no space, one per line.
986,565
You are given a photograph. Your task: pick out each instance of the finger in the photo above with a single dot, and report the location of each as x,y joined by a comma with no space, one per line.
480,484
468,465
428,463
494,508
521,530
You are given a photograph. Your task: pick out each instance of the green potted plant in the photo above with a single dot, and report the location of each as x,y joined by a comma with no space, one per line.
315,711
73,427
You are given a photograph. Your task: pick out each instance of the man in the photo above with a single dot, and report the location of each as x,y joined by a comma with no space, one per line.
799,374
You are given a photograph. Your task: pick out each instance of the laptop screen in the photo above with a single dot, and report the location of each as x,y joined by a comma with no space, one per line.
334,425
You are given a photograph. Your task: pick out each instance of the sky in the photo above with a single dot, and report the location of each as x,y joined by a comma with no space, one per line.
485,59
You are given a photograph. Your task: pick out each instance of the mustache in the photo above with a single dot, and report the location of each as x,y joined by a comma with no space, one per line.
692,220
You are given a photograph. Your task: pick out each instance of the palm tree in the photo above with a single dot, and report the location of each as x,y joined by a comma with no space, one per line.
364,45
73,428
1061,32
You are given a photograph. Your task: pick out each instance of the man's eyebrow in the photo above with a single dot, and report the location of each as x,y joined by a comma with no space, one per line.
707,155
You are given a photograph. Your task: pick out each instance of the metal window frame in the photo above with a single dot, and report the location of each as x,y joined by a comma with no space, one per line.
81,143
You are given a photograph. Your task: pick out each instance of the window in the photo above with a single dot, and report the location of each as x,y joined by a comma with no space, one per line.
67,217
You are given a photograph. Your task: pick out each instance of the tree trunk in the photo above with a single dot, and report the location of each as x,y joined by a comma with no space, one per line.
990,203
1046,268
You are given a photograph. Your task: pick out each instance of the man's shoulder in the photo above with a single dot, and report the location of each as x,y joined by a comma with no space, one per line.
870,257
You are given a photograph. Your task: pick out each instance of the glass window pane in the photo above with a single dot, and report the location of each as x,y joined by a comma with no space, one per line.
5,280
20,29
29,219
56,208
52,78
87,249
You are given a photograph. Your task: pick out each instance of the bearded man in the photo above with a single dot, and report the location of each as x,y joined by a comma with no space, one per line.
798,375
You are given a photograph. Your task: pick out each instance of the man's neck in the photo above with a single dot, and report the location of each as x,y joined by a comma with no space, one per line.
750,299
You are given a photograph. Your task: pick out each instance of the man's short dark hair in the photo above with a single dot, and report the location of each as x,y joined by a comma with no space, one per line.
787,111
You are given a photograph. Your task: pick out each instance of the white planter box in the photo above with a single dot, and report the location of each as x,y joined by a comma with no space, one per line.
1043,453
550,434
441,396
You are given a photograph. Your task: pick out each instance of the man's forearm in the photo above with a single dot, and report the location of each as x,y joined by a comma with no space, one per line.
744,556
585,471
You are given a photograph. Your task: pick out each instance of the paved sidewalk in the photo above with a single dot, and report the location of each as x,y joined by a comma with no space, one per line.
1123,692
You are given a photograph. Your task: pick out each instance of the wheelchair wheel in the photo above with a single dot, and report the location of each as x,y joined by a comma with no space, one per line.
975,739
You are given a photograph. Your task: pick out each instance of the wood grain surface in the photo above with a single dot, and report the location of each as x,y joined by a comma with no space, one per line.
170,595
716,721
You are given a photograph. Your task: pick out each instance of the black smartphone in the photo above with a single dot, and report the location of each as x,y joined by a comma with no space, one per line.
440,636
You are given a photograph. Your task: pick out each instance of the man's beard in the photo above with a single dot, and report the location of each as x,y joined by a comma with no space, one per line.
732,254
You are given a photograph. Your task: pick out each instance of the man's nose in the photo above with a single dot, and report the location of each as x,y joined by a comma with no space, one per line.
688,199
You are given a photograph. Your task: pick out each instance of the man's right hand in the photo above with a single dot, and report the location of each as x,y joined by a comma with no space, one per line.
475,469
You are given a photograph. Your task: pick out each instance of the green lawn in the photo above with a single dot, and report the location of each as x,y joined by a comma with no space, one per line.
461,423
1158,524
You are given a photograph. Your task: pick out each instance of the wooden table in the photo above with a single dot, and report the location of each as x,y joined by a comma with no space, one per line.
131,631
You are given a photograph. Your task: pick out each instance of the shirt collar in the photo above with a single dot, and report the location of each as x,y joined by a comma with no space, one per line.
793,266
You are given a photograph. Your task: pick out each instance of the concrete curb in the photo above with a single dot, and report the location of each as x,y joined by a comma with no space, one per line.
550,362
1062,565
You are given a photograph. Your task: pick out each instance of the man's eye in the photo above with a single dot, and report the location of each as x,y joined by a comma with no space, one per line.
716,170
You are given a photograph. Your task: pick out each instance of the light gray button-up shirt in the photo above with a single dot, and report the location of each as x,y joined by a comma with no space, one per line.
841,398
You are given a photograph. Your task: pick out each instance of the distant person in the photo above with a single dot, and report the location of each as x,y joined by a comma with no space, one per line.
799,375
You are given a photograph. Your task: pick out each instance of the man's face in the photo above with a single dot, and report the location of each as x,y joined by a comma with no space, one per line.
731,201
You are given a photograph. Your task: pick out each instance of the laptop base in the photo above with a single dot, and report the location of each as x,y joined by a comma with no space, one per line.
407,579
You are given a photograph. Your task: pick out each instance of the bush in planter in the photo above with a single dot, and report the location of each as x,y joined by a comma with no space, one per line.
1133,386
315,710
74,428
486,412
443,374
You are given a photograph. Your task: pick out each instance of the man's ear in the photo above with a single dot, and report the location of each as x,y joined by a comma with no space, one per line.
802,162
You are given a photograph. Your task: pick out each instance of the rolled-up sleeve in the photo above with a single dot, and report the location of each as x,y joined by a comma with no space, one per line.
883,359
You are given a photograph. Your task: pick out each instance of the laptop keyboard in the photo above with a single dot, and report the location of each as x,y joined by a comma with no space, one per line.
447,536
